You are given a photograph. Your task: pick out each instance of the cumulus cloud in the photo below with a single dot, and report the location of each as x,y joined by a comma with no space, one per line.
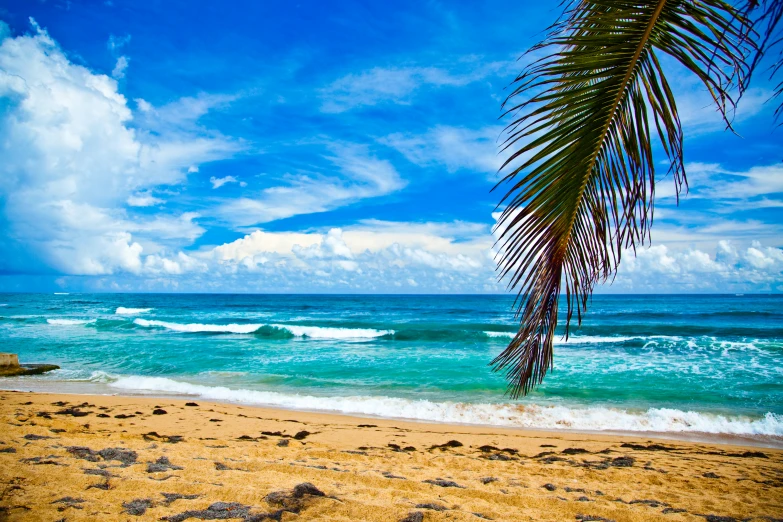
729,269
357,175
71,162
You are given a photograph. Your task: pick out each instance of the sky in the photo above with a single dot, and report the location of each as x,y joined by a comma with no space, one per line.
320,147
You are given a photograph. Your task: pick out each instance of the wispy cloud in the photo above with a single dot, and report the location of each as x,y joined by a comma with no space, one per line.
399,84
357,175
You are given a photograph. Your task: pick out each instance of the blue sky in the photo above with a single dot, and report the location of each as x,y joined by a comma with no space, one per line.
274,147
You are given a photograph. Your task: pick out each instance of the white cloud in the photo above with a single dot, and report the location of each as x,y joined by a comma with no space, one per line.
453,147
119,69
71,163
399,84
143,199
219,182
731,269
359,175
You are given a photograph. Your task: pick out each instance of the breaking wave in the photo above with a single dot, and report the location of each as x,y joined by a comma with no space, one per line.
318,332
597,418
70,322
121,310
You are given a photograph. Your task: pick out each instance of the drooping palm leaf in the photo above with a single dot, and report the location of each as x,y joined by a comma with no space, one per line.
586,118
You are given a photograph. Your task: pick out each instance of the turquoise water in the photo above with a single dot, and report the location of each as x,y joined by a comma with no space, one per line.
708,364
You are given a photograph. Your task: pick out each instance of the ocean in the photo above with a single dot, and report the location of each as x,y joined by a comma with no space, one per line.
685,364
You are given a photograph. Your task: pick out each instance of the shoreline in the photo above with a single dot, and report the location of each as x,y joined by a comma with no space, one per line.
742,440
106,453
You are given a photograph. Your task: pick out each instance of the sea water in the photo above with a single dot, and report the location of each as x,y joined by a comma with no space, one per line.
706,364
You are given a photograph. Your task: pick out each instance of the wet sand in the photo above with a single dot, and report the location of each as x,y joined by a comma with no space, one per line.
68,457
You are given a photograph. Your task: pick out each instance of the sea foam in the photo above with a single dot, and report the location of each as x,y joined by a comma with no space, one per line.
70,322
121,310
316,332
598,418
198,327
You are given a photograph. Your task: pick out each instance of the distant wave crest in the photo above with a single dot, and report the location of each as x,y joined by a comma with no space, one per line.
121,310
597,418
318,332
70,322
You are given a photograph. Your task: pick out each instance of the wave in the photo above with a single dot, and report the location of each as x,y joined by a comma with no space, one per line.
324,332
597,418
70,322
121,310
3,304
593,339
316,332
62,293
200,328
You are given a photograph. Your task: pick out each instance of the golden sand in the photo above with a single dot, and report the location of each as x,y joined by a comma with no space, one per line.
67,457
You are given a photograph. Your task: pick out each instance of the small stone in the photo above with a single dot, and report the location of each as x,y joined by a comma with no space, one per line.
549,487
159,411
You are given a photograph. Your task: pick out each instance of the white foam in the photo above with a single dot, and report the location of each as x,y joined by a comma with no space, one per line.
510,335
61,293
505,414
3,304
315,332
70,322
121,310
198,327
580,339
320,332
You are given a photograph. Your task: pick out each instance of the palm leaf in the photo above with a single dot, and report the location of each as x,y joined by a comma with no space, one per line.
586,118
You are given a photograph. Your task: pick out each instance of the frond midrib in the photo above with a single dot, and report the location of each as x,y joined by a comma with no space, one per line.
611,116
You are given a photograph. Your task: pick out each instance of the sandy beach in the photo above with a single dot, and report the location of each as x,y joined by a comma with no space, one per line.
68,457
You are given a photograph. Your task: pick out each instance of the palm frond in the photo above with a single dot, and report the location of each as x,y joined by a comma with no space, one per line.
585,121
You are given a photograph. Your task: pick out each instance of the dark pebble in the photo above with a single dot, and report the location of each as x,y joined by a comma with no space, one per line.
159,411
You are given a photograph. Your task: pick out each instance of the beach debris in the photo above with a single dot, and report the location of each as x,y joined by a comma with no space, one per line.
574,451
367,426
500,456
191,404
69,502
642,447
99,472
717,518
43,461
447,445
301,435
31,436
413,516
356,452
73,411
215,420
154,436
481,515
137,507
651,503
8,450
282,443
549,487
583,499
622,462
443,483
294,500
162,464
159,411
669,510
100,485
390,475
222,467
126,457
103,416
488,480
171,497
124,416
710,475
593,518
215,511
432,506
547,446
